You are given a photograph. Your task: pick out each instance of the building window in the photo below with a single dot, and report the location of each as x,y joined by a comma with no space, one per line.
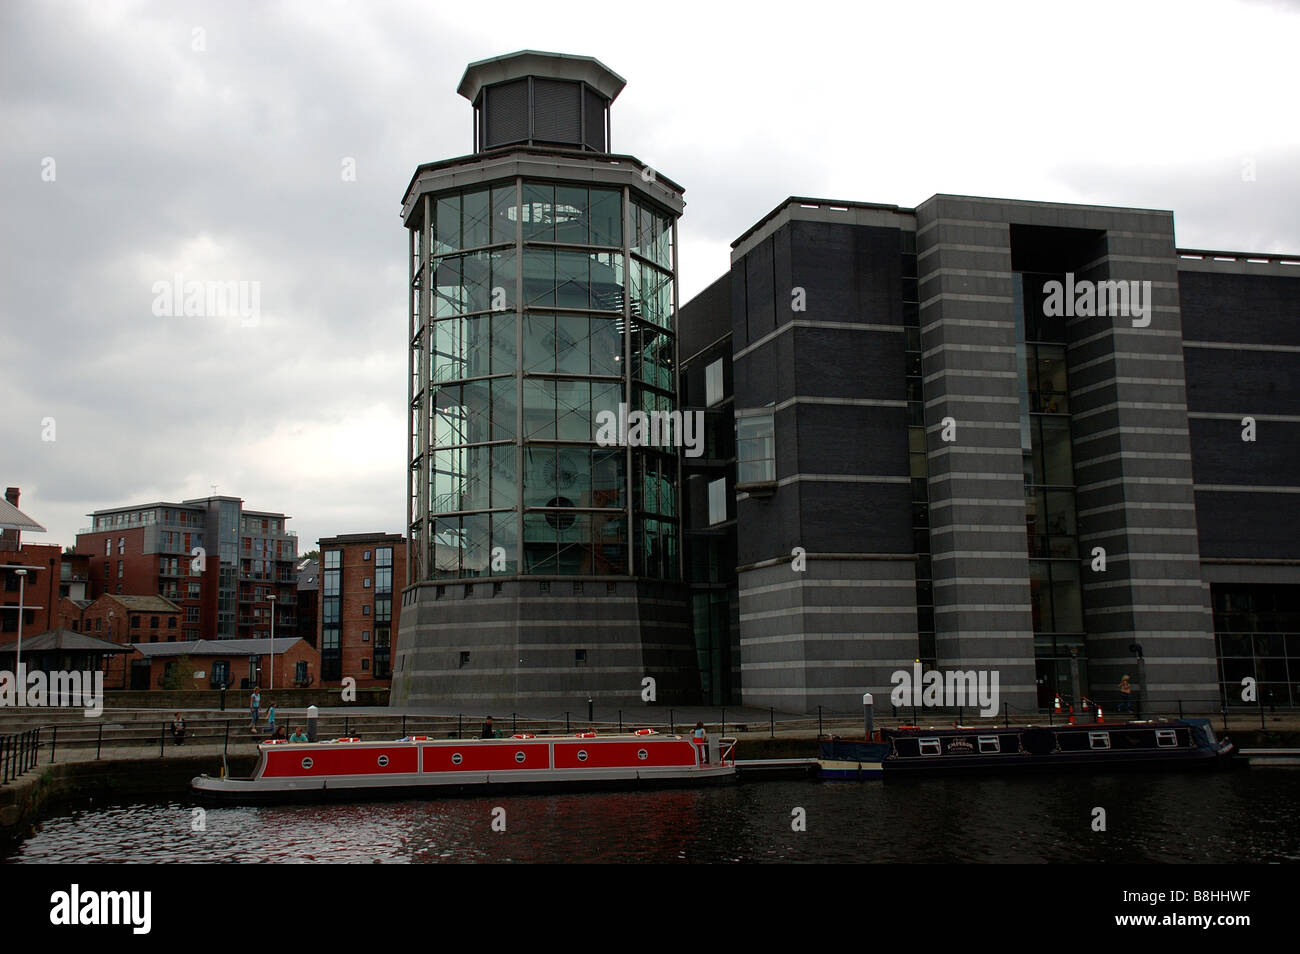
365,611
755,450
135,622
365,635
365,555
153,622
713,383
119,569
580,657
171,622
464,659
718,500
365,665
121,544
365,583
99,625
108,546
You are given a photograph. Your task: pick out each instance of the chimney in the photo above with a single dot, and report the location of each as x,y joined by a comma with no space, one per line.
10,539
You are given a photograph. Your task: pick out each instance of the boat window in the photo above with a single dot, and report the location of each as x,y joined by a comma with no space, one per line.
930,747
1166,738
1099,740
989,744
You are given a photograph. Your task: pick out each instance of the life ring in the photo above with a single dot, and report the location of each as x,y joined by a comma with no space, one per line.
275,741
350,739
645,731
524,735
904,728
419,738
585,735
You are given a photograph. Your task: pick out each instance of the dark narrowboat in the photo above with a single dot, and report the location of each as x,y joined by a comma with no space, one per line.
1100,746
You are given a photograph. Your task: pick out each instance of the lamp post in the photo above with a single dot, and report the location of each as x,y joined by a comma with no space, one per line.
272,641
18,654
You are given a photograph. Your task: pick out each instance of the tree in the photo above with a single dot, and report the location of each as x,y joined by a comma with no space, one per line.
179,674
309,555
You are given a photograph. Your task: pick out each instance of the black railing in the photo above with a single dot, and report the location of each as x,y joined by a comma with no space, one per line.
18,753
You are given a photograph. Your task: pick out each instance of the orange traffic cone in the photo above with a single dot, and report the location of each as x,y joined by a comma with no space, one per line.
1099,715
1058,705
1072,714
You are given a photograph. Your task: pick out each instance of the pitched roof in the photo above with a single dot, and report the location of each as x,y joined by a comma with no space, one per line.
218,647
67,640
11,518
145,604
309,575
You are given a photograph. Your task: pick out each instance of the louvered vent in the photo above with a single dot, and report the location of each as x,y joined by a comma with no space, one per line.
595,107
507,113
557,113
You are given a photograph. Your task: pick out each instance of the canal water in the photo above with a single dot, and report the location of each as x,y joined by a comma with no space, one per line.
1241,816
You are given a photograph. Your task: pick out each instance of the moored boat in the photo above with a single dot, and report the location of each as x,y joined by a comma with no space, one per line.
351,768
1101,746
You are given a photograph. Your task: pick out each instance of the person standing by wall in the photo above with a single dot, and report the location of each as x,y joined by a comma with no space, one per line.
254,704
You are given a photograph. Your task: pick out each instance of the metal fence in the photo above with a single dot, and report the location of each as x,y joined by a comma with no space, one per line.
18,753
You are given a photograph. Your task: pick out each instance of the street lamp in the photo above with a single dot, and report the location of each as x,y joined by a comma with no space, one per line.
18,655
272,641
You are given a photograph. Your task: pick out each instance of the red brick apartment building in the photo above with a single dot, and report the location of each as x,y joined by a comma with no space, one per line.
38,586
361,579
226,567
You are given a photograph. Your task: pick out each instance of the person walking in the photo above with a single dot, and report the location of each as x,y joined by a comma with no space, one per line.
270,719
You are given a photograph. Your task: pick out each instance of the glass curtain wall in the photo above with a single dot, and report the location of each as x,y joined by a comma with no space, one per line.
537,300
1055,592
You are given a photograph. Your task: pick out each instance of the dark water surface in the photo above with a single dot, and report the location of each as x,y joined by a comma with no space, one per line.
1241,816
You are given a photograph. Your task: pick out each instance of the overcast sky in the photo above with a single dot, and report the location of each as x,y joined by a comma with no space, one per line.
140,140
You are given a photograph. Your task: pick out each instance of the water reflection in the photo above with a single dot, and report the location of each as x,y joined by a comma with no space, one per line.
1247,816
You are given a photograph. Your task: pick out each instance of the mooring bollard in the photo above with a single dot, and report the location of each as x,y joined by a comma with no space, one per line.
313,715
868,713
591,711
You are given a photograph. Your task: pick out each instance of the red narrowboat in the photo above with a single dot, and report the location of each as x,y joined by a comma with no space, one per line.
351,768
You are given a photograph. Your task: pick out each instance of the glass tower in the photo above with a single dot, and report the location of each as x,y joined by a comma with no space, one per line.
543,293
